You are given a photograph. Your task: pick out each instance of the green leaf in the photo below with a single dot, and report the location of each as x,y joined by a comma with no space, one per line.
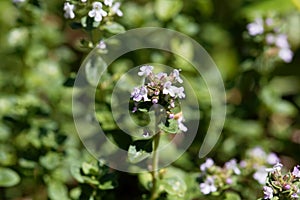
108,182
51,160
135,156
88,168
172,128
8,177
57,190
166,9
114,28
174,186
75,171
232,196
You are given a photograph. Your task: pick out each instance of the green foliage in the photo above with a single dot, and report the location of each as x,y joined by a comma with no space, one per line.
41,156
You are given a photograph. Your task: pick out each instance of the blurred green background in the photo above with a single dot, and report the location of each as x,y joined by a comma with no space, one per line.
40,54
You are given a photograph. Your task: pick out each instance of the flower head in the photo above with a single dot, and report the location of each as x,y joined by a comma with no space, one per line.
97,12
268,192
208,186
256,27
69,10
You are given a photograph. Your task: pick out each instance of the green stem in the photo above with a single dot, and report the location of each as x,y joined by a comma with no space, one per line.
155,159
154,173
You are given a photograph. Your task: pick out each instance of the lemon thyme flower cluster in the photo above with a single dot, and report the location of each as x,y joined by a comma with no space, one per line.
214,178
160,89
97,10
271,34
282,186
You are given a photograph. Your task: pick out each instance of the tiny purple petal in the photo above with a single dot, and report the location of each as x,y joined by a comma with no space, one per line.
268,192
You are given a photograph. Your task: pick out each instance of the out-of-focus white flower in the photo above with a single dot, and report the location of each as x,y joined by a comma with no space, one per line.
256,27
181,126
272,159
232,165
115,9
101,45
270,38
268,192
208,186
208,163
69,10
97,12
261,175
83,1
18,1
282,41
108,2
286,55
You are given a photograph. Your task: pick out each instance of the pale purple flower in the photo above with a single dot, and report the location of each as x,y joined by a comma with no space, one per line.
179,92
208,164
296,171
145,70
161,75
169,89
229,181
97,12
176,75
268,192
261,175
232,165
258,152
115,9
69,10
18,1
287,187
282,41
140,93
295,196
286,55
101,45
108,2
277,167
269,21
272,159
256,27
181,126
270,38
208,186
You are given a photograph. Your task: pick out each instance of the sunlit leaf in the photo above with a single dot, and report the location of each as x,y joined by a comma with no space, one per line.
135,156
8,177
